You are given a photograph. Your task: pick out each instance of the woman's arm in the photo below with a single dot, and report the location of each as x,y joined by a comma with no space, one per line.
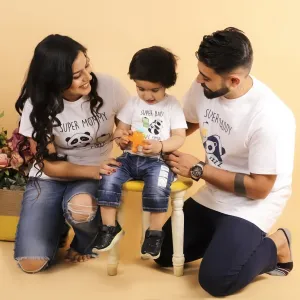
67,170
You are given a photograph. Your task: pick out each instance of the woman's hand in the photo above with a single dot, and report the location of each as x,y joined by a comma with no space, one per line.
122,138
106,167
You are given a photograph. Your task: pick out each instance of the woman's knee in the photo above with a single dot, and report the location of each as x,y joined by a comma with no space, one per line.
82,208
33,265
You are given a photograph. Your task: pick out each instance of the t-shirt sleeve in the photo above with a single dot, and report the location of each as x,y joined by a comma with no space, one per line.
272,145
177,116
125,114
121,96
26,128
190,104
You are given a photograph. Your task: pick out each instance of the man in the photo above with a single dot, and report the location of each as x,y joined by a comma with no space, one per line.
248,135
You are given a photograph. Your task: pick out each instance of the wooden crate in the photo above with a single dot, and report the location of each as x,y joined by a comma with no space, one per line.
10,206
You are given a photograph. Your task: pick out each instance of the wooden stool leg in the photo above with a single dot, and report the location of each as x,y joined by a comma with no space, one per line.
177,232
145,226
114,253
113,261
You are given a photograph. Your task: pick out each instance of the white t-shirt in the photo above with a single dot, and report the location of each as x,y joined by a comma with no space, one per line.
252,134
78,137
157,120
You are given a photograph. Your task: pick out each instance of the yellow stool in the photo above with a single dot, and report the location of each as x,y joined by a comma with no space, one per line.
178,189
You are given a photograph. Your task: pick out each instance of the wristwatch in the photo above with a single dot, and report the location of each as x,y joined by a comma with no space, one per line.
197,170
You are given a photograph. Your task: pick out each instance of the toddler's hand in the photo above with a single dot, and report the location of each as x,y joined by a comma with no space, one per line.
152,147
122,140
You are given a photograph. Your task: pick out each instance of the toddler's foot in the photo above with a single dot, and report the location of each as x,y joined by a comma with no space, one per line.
152,243
107,237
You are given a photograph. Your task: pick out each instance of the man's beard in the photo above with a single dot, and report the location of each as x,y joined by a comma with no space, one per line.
209,94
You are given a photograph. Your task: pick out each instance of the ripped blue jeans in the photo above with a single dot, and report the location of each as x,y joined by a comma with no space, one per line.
152,170
42,219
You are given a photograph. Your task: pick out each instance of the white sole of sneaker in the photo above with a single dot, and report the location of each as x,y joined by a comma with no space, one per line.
149,256
113,242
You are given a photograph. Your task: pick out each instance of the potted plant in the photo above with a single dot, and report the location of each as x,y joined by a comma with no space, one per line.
15,161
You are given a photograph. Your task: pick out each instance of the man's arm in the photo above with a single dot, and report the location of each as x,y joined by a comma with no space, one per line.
253,186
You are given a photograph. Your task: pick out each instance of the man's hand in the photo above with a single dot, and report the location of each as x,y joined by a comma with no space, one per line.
152,147
181,163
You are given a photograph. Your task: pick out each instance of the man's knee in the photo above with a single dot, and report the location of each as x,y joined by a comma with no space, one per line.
32,265
82,208
214,283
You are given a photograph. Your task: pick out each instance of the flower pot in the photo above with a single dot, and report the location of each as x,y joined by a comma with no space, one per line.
10,206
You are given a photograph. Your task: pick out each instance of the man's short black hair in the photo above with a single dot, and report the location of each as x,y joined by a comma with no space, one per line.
225,50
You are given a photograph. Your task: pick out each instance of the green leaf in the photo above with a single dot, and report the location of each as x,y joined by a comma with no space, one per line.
2,115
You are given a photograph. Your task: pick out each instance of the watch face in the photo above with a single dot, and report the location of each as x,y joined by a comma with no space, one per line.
197,171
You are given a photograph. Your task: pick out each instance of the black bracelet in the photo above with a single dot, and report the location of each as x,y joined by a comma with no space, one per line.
239,185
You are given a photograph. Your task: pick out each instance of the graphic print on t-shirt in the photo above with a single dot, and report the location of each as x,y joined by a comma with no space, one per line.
153,123
82,124
155,127
214,149
102,140
83,132
79,140
211,141
211,118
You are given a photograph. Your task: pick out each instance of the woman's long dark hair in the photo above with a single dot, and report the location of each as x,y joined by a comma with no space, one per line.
49,75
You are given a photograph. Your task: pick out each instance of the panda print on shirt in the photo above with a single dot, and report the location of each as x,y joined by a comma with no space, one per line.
214,149
79,140
212,142
152,128
155,127
85,139
84,133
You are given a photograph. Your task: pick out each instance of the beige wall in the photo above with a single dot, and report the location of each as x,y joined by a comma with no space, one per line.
114,30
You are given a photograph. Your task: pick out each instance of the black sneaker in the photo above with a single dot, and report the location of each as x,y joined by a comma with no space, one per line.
152,243
107,237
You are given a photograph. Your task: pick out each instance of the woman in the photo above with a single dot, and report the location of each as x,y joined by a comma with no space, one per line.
68,114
